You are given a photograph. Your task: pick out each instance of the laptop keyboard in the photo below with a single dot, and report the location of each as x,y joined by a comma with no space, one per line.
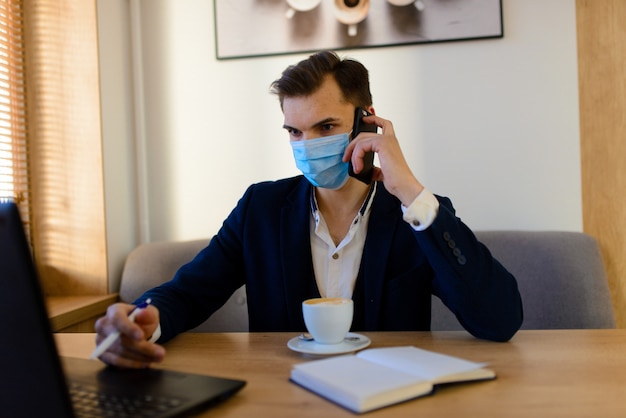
88,402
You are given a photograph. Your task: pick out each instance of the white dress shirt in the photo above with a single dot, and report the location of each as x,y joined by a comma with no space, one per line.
337,266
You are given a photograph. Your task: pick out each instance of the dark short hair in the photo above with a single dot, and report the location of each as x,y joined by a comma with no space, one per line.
304,78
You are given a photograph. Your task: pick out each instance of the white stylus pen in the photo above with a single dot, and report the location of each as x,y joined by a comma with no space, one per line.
110,339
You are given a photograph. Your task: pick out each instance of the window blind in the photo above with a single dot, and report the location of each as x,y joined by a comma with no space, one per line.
66,175
14,177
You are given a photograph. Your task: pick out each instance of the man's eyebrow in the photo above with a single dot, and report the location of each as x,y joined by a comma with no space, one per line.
324,122
316,124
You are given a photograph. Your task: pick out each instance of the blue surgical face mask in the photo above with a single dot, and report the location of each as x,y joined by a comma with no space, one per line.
320,160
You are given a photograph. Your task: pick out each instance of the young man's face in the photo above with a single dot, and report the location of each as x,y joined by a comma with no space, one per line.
323,113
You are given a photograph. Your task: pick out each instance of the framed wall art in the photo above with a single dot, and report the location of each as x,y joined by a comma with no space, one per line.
249,28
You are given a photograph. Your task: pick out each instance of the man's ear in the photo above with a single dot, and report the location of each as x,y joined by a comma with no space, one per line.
371,110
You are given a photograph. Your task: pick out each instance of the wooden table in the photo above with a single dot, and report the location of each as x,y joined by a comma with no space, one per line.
573,373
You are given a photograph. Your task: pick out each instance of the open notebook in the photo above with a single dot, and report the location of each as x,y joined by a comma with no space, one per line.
36,382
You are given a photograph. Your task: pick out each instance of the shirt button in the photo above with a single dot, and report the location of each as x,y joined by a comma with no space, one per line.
335,256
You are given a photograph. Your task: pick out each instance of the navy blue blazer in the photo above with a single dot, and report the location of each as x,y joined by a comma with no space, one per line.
264,243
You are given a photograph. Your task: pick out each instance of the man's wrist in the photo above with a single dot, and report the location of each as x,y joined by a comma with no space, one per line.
155,335
421,213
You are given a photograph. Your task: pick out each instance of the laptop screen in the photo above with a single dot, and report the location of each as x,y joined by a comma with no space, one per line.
32,382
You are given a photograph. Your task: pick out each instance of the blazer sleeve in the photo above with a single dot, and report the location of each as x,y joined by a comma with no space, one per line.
481,293
202,286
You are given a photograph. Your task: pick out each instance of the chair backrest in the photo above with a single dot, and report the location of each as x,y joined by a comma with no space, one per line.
561,278
149,265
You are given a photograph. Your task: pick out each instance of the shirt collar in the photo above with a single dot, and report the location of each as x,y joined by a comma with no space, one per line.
364,207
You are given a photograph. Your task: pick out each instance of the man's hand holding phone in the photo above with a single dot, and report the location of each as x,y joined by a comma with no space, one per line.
394,171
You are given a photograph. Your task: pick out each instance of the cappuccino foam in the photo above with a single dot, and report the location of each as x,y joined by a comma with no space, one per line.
327,301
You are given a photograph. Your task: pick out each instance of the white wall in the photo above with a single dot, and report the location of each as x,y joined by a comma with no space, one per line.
493,124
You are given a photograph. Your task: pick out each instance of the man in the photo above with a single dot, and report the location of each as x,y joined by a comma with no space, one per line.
388,244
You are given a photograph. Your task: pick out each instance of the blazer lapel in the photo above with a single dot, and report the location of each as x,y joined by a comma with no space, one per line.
381,228
295,252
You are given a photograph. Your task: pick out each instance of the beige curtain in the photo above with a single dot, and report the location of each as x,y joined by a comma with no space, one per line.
65,150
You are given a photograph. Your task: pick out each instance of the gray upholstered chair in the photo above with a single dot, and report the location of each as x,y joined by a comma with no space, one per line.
151,264
560,275
561,278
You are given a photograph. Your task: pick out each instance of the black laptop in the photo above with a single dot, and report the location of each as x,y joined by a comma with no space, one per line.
36,382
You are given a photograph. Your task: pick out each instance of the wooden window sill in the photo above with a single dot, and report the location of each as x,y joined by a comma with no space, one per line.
77,313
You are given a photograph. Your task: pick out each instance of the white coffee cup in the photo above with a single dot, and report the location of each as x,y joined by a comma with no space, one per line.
419,5
351,13
328,320
300,6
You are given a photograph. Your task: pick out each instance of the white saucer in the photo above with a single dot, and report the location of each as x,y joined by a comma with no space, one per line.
346,346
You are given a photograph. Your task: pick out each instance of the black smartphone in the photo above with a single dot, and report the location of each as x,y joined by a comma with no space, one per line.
368,161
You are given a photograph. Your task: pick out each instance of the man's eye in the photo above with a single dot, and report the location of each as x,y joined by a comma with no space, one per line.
327,127
294,134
